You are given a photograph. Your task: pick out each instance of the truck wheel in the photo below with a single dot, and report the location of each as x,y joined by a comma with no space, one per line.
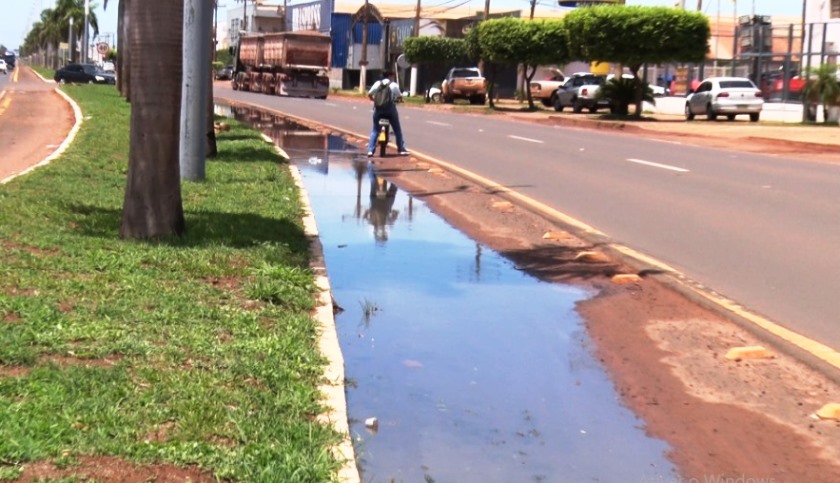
577,106
558,106
436,97
593,109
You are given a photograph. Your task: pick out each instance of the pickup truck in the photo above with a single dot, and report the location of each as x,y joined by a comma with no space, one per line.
464,83
543,90
580,92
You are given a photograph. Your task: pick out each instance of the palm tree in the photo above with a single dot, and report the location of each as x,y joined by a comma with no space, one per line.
75,9
823,88
153,206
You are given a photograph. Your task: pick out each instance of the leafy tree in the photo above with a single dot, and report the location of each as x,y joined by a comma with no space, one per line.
224,57
633,36
547,44
510,41
500,41
621,92
435,50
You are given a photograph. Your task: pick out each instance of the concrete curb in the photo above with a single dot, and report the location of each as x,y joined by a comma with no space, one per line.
77,112
333,385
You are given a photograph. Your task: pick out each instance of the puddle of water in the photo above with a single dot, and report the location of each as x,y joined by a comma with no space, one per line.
475,371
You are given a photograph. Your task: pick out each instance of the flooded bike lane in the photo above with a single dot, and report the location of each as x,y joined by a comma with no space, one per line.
473,370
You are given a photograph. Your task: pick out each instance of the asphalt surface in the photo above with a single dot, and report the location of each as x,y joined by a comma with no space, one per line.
757,229
34,122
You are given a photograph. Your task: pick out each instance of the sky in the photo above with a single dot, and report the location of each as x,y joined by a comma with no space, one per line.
18,15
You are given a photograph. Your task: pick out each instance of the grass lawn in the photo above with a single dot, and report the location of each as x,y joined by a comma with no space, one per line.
198,351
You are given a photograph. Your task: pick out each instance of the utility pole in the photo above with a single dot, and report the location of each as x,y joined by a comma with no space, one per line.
195,84
85,39
245,15
70,41
363,61
412,90
486,14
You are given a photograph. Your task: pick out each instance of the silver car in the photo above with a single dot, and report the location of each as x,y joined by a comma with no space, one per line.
725,96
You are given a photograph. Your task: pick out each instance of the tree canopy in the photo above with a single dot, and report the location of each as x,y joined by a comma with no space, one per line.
633,36
435,50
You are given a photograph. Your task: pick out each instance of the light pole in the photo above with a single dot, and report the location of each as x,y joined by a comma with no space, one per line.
70,41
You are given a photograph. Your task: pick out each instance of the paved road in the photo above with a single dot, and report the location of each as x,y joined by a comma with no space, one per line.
34,121
761,230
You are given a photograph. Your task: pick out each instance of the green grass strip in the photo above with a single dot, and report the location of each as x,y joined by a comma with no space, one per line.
195,350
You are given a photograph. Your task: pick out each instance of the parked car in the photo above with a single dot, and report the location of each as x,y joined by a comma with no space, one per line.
224,73
433,93
727,96
581,92
83,74
464,83
544,90
3,67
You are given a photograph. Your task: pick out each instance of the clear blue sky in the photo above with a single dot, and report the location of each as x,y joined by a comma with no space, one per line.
18,15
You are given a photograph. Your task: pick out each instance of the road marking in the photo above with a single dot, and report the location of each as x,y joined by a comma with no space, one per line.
330,104
657,165
525,139
439,123
4,104
667,141
15,75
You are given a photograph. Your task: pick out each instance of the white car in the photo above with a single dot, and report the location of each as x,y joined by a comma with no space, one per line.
3,67
725,96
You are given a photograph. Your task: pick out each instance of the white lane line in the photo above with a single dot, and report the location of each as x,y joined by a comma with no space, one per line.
667,141
525,139
657,165
439,123
330,104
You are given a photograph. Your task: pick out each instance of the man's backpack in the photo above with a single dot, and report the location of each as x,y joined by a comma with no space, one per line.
382,97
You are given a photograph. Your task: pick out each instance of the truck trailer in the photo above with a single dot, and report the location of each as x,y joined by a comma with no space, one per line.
284,64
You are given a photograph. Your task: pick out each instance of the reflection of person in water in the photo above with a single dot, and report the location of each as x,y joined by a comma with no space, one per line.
381,212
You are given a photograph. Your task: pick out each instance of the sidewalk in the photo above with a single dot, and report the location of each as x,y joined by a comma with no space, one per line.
780,130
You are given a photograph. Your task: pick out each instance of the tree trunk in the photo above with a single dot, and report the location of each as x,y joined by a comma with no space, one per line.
212,149
528,79
123,52
120,46
152,206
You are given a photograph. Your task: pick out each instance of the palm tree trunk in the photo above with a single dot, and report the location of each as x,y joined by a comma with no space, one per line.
123,52
153,206
212,149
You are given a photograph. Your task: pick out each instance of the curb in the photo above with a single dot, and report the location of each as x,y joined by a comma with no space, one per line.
77,113
332,387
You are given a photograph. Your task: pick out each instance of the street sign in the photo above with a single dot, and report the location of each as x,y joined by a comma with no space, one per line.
103,48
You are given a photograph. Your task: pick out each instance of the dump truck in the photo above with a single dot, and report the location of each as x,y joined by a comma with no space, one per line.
284,64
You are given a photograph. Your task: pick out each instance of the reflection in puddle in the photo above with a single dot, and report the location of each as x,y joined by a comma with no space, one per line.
475,371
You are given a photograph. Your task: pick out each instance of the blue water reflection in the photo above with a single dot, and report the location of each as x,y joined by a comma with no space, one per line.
476,371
